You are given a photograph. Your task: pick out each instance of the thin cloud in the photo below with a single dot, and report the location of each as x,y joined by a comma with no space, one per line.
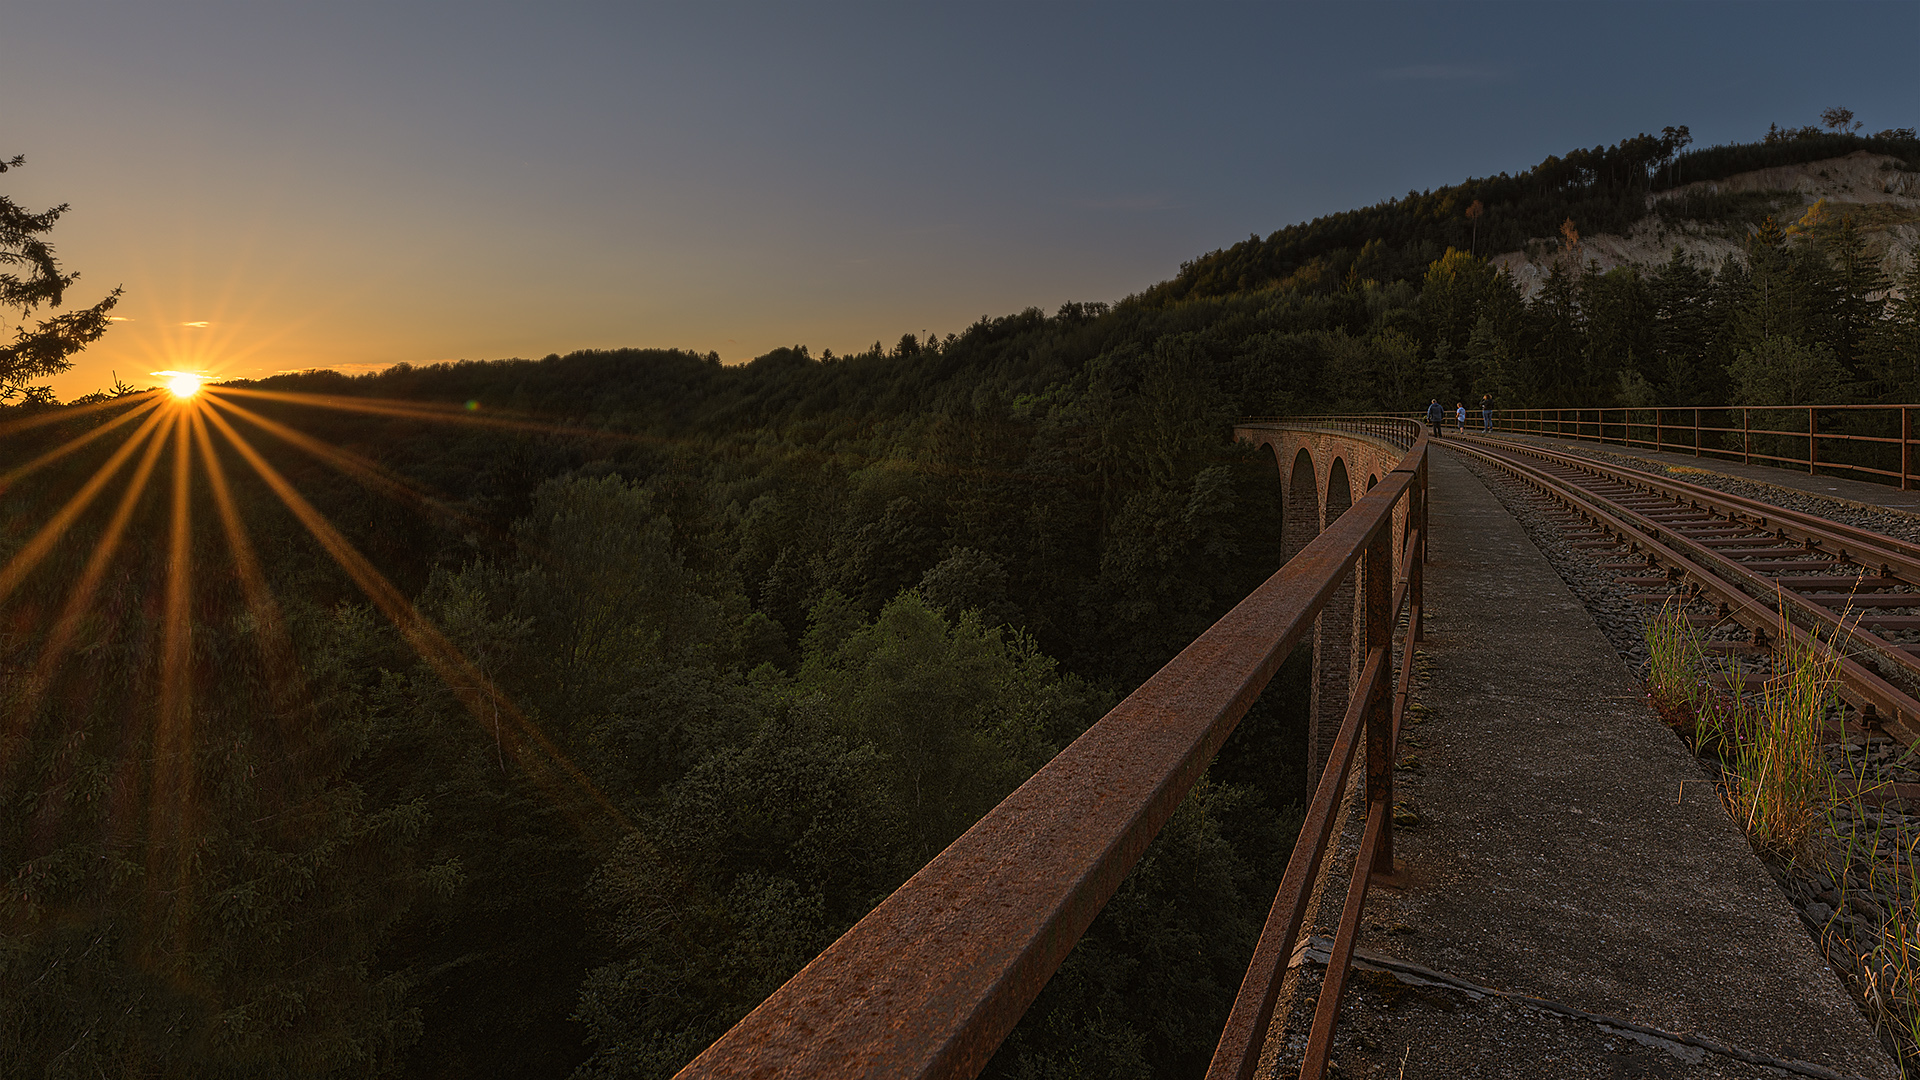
1132,204
1440,73
202,322
118,318
342,369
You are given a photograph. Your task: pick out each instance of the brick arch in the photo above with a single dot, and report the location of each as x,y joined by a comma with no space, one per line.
1334,638
1321,469
1300,519
1339,490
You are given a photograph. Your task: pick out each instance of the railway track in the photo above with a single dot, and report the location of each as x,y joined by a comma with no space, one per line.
1747,572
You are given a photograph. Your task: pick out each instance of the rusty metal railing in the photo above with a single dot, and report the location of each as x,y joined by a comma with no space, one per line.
1388,429
1875,441
934,978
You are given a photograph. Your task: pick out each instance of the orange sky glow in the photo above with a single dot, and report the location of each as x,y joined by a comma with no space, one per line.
354,185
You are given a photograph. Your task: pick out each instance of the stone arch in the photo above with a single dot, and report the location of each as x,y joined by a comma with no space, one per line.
1300,521
1339,490
1333,640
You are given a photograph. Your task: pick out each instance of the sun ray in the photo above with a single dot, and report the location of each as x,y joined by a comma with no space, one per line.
275,647
43,541
430,412
346,461
171,807
8,478
474,690
410,410
59,639
352,403
68,412
80,595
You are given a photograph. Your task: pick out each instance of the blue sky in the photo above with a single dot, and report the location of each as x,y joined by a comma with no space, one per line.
358,184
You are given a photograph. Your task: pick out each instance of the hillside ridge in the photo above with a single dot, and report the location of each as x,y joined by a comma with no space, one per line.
1880,195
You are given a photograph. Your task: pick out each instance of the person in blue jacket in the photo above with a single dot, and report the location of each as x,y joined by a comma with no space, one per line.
1460,416
1434,415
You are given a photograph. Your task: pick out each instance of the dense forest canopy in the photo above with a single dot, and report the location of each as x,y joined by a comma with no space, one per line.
751,642
1602,190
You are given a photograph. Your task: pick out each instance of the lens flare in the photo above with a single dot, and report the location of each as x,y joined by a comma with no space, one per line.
181,384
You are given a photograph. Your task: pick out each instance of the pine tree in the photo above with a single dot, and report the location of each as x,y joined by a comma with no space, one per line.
42,349
1768,306
1896,341
1619,312
1680,294
1854,274
1557,337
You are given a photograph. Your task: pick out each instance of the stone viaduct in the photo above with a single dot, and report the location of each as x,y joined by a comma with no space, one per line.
1323,471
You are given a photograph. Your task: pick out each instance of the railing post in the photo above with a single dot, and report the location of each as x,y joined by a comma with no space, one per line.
1746,438
1417,562
1906,444
1696,431
1379,635
1812,450
1659,435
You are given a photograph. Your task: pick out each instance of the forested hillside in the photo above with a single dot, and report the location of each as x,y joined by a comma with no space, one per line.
765,638
1606,189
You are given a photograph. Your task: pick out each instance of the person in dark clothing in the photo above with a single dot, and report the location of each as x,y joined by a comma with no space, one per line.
1486,413
1434,415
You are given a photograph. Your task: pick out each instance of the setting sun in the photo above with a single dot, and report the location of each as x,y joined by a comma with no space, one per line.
182,384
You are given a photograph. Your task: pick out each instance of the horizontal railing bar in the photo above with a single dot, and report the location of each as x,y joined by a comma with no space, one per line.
1326,1011
1684,428
1238,1051
930,982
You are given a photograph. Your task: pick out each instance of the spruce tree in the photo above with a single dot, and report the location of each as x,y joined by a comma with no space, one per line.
1896,340
1557,337
31,278
1769,304
1854,274
1681,330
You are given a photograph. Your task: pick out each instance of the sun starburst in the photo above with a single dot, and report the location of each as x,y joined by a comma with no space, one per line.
181,384
157,433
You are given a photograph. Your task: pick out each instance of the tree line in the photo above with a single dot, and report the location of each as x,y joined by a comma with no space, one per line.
765,638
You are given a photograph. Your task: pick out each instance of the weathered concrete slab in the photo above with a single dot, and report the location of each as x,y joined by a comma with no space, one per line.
1571,850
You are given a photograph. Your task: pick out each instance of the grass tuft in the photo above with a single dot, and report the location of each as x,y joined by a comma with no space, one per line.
1777,781
1773,772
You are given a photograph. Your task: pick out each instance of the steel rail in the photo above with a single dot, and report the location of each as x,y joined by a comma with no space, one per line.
932,980
1724,579
1896,560
1897,557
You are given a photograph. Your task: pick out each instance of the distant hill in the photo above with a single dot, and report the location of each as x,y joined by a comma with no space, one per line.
1608,190
1709,219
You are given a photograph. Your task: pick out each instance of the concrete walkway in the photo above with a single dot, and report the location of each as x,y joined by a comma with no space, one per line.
1570,849
1874,496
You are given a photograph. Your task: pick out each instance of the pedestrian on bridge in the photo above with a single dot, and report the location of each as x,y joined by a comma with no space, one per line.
1460,416
1486,413
1433,415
